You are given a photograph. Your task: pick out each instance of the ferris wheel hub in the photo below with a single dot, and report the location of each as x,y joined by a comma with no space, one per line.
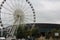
18,16
18,13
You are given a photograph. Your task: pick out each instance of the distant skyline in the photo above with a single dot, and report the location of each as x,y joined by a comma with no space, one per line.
47,11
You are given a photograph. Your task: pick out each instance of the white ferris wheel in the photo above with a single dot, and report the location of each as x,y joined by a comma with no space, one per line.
15,12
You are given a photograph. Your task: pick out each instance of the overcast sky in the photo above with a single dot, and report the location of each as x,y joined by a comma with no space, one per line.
47,11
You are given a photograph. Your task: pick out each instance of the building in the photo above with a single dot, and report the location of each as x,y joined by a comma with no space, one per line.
45,28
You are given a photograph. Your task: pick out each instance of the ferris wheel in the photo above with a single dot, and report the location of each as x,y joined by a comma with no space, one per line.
15,12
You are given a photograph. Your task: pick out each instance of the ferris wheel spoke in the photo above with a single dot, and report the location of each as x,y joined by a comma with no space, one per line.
6,24
28,19
6,13
22,3
8,20
15,21
28,15
6,17
9,6
7,9
24,6
15,4
26,9
12,3
27,12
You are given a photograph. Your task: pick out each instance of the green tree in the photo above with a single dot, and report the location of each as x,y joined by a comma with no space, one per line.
19,32
35,32
24,32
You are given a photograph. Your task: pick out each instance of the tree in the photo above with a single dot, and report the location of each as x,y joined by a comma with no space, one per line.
19,32
35,32
24,32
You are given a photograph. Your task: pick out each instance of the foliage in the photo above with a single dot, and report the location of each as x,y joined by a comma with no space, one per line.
19,32
24,32
55,30
35,32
